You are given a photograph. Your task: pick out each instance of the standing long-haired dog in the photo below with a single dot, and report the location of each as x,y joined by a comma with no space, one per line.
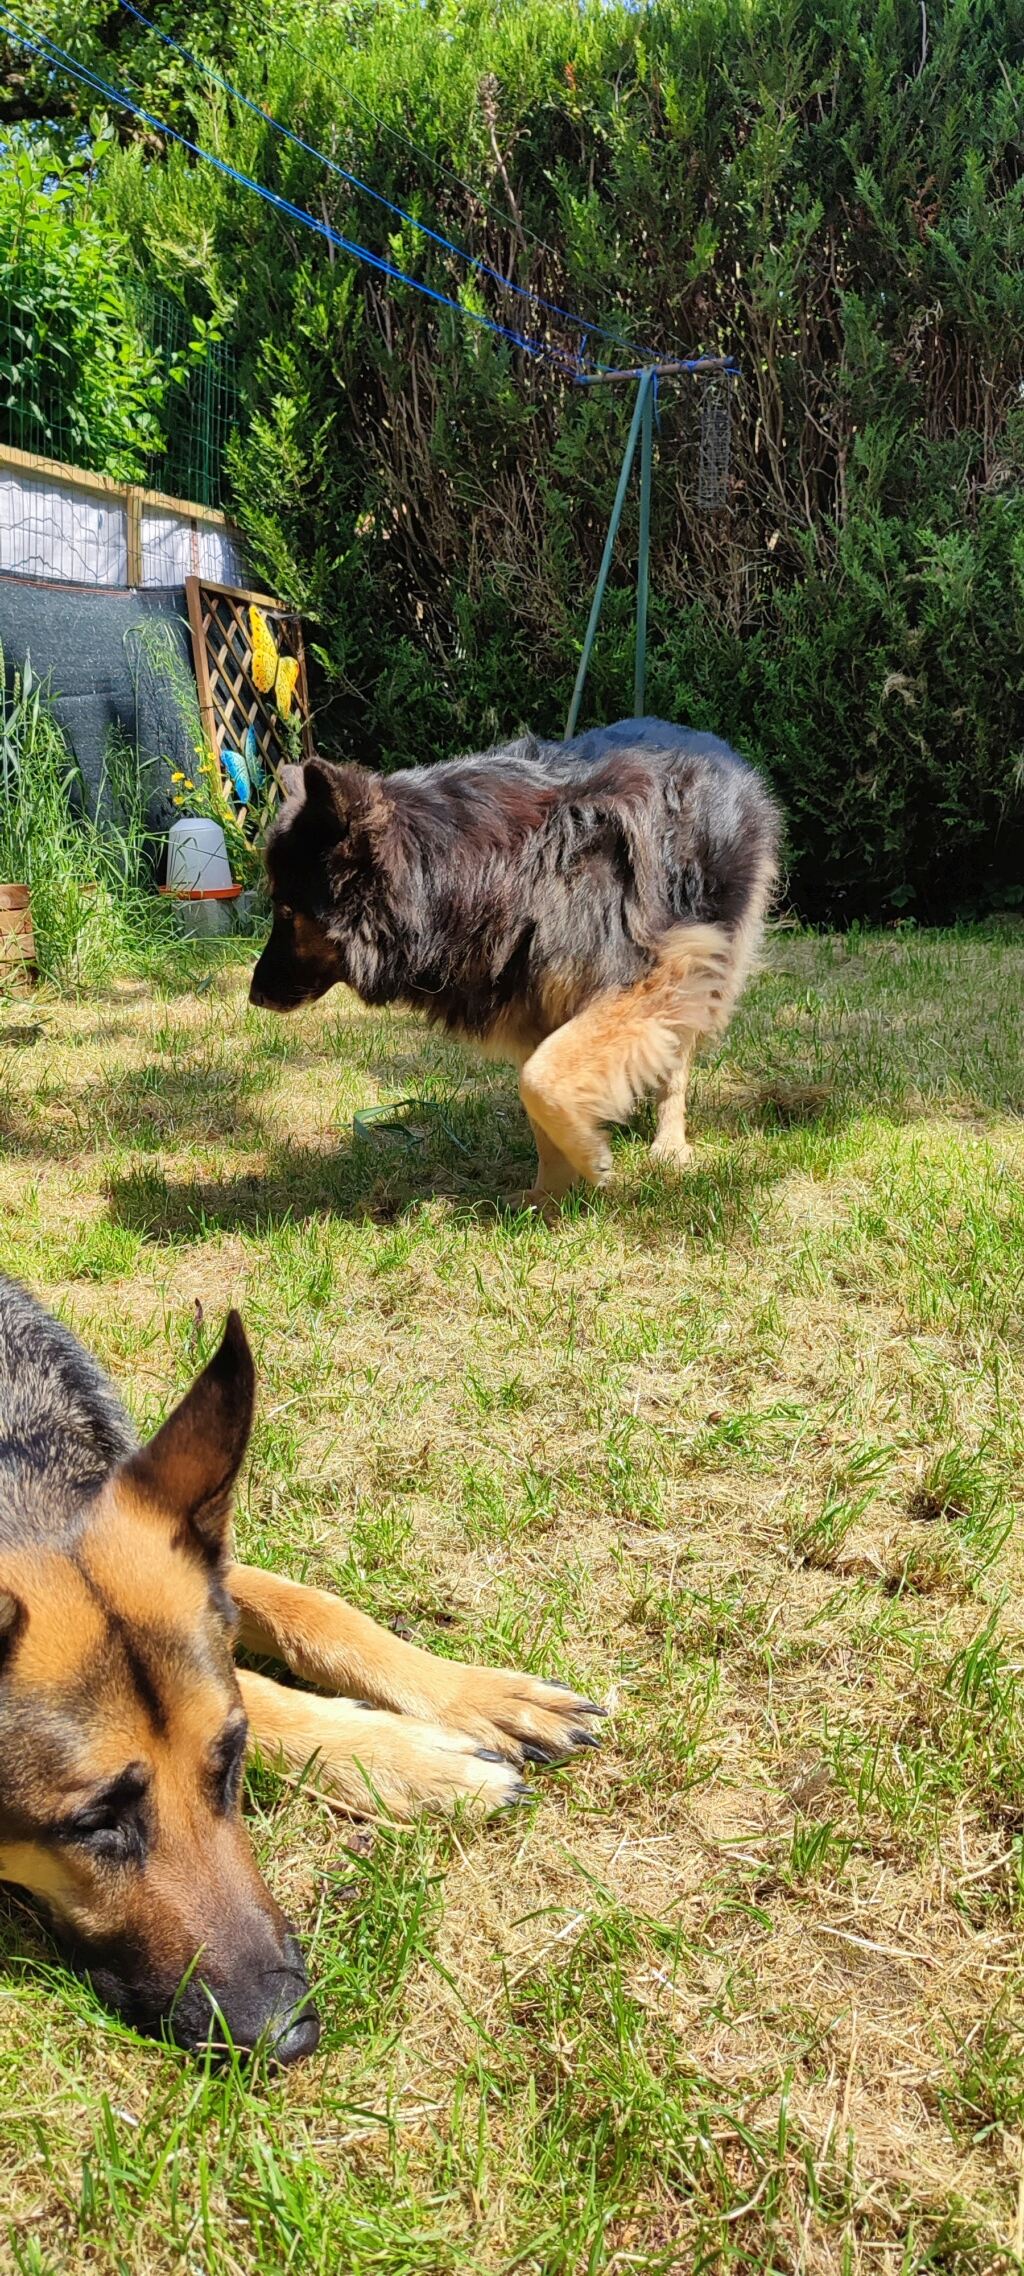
588,910
124,1722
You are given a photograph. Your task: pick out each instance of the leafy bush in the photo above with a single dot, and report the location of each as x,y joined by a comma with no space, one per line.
833,191
78,378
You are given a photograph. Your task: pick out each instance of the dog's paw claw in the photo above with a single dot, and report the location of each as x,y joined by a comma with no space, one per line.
582,1706
526,1718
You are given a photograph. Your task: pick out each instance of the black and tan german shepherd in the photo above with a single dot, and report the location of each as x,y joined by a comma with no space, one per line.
587,910
124,1723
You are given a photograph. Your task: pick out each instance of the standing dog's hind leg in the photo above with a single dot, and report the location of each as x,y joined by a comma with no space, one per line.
572,1085
627,1043
671,1143
555,1176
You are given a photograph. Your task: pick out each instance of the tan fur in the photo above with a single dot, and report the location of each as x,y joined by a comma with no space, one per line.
422,1750
627,1043
671,1143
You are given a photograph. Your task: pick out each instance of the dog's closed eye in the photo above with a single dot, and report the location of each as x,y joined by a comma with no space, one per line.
111,1823
228,1761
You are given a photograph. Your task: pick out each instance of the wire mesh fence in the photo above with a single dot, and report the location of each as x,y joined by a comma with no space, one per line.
715,447
178,441
201,410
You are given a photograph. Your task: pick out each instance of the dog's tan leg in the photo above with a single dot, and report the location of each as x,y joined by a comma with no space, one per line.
327,1643
555,1176
626,1043
368,1759
589,1073
671,1143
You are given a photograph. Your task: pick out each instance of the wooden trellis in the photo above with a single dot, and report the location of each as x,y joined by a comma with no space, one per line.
229,700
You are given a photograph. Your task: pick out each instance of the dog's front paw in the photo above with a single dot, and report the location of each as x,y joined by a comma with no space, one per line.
401,1764
522,1716
673,1153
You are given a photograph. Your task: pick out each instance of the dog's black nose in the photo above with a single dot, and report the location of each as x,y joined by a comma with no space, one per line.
298,2039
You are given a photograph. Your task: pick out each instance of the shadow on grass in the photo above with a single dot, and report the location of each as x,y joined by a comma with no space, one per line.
377,1183
151,1109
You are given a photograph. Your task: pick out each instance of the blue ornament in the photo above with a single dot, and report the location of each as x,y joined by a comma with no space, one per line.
238,775
252,758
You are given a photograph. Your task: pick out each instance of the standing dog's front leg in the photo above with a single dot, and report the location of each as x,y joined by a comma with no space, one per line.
329,1644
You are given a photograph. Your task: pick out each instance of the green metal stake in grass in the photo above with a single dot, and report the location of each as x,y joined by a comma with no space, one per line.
643,411
714,473
646,394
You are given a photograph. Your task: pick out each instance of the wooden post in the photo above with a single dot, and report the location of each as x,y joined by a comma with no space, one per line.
133,502
194,597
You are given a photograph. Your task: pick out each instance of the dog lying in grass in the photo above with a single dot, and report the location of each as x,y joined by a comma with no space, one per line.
588,910
124,1723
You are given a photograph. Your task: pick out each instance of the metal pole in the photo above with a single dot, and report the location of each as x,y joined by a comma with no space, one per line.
644,556
663,371
642,396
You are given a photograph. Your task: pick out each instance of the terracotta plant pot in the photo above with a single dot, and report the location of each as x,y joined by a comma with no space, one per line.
17,941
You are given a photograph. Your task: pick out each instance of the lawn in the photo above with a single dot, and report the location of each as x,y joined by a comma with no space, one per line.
738,1453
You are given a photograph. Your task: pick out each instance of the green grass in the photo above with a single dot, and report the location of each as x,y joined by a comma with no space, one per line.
738,1452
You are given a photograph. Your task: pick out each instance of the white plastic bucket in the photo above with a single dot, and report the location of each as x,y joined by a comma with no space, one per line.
197,857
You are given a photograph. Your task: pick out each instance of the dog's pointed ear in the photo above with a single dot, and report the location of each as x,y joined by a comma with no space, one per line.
348,801
325,788
188,1471
12,1621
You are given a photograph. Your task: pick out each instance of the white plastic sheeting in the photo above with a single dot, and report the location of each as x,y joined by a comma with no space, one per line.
173,549
51,529
79,537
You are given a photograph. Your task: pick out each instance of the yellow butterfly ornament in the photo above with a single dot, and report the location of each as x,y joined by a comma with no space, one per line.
264,651
269,669
284,685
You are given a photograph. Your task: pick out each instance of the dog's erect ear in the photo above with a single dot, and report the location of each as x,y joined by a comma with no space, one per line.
347,801
188,1470
12,1620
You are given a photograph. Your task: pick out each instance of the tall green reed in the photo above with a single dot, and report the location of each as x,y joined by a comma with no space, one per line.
88,861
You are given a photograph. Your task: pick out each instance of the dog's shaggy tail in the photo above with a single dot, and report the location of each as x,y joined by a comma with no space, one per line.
693,983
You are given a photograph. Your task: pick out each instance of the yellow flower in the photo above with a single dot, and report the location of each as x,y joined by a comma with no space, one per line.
178,777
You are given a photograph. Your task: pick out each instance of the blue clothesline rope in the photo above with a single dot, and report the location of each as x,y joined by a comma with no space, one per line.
460,252
571,365
60,61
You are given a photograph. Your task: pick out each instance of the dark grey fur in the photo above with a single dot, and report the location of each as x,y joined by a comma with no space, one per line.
462,888
62,1428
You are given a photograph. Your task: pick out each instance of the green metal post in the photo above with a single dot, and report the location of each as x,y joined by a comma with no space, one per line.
643,561
643,397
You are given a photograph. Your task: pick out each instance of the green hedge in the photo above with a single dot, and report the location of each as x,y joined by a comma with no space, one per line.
829,189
